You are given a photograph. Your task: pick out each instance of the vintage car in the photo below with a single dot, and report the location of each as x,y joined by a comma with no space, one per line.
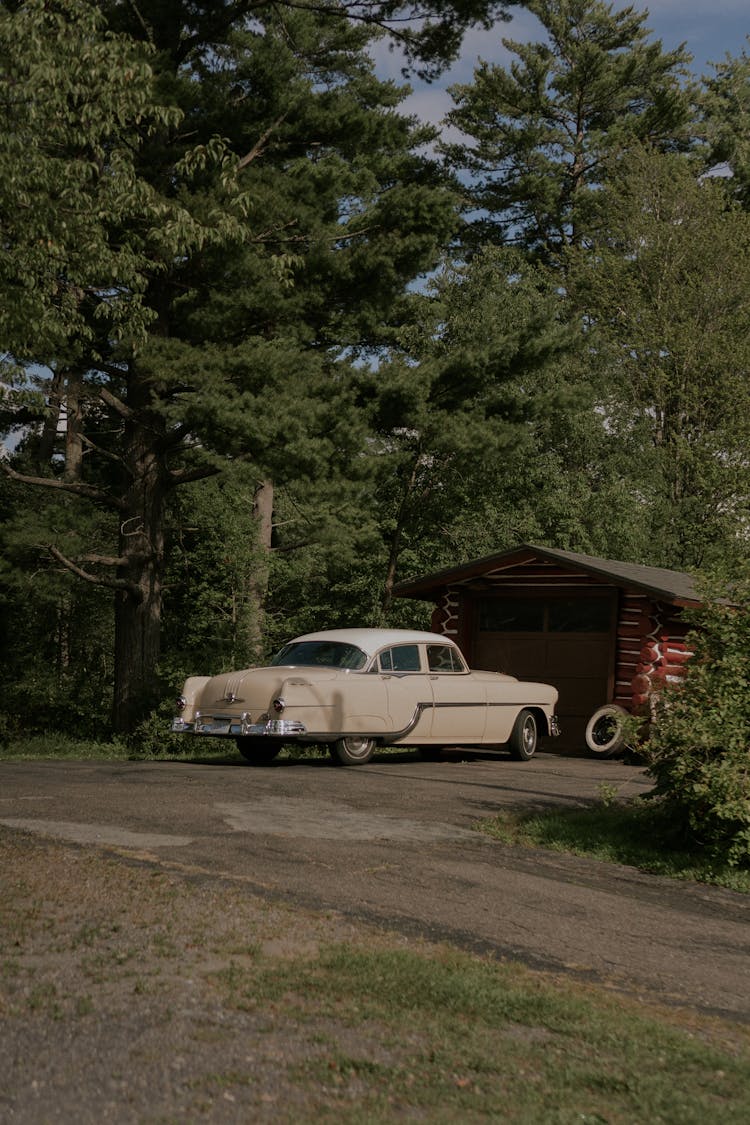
356,689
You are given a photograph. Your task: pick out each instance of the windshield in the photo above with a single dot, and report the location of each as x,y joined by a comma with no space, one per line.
327,654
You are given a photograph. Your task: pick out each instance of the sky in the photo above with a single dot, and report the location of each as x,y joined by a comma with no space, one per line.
709,28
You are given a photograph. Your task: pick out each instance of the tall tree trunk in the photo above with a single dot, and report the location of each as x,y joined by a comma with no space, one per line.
263,522
48,437
398,533
138,606
73,429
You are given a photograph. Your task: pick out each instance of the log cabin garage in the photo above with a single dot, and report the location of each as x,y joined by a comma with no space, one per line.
607,634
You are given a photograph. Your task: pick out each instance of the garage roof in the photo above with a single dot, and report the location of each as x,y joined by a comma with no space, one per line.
673,586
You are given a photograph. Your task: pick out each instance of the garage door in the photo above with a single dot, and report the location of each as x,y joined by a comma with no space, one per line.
561,640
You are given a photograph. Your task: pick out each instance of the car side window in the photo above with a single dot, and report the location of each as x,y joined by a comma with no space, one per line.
443,658
402,658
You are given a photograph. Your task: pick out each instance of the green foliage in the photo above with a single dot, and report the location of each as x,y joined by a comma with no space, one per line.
698,749
243,274
665,290
56,637
76,104
212,215
55,745
455,406
540,128
724,121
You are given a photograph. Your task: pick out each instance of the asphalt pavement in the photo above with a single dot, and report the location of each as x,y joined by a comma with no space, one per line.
394,843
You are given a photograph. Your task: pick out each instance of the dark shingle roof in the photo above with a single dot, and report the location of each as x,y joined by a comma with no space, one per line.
670,585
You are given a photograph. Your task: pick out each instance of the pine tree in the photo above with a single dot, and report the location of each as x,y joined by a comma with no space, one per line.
458,402
260,207
541,128
724,121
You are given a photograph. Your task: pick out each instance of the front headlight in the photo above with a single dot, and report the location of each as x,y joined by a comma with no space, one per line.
278,705
180,704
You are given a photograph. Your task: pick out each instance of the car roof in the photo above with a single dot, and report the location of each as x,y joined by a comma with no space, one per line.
372,640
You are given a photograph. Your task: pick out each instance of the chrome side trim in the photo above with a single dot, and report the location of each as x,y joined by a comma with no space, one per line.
419,710
233,726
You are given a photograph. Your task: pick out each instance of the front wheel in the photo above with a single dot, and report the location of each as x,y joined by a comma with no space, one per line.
604,733
524,737
258,751
353,751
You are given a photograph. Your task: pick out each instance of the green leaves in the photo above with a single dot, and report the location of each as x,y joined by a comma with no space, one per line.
541,128
74,104
668,299
698,745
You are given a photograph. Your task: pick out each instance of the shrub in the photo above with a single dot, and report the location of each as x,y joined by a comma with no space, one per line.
698,750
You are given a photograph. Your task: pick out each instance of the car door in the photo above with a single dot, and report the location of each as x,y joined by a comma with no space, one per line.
408,691
459,714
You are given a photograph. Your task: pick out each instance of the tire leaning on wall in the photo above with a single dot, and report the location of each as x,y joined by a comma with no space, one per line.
604,731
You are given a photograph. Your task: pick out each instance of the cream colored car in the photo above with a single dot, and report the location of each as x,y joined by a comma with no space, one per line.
357,689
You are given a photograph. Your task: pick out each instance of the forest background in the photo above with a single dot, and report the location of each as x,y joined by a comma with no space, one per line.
271,343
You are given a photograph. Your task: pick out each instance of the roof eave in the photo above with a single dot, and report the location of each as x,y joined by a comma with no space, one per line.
426,587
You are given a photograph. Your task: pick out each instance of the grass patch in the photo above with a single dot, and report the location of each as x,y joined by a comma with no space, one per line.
53,746
339,1026
636,833
169,748
454,1037
61,747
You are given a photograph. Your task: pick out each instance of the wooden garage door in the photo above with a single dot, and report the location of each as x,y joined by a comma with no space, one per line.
562,640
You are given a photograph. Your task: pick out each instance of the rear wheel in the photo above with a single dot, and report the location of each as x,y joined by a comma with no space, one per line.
524,737
258,751
353,751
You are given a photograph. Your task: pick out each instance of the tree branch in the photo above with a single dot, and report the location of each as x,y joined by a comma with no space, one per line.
103,560
184,476
78,488
103,452
259,145
115,403
96,580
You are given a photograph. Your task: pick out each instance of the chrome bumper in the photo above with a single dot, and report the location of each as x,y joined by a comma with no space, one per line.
232,726
554,727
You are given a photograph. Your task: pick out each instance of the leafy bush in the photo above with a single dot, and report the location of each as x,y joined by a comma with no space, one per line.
698,750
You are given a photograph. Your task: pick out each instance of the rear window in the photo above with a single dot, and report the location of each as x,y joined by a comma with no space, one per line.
326,654
444,658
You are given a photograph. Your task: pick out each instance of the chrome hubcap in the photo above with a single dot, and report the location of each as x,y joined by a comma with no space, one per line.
358,747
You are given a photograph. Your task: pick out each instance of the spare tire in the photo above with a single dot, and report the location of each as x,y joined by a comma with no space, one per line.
604,731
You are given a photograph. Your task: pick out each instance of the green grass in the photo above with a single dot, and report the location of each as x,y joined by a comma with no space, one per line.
61,747
53,746
449,1037
164,747
636,833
